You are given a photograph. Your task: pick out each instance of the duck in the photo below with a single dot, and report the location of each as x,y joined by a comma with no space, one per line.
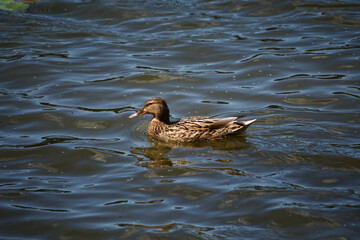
188,129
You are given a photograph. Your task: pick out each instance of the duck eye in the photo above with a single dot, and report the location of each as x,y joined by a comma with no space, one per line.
148,104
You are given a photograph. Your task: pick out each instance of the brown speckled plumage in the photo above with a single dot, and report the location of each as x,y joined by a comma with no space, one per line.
188,129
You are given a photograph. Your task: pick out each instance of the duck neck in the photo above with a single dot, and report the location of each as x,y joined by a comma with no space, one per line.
163,115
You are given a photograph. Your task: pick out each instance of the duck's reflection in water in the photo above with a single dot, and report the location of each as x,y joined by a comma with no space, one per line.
155,155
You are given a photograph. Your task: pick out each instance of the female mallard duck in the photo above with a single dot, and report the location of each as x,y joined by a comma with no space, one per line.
188,129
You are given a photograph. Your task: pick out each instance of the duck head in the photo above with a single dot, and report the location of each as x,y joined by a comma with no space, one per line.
155,106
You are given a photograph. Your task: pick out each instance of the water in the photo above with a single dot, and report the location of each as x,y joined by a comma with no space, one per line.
74,166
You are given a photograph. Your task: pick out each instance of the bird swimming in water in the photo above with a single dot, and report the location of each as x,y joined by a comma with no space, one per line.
189,129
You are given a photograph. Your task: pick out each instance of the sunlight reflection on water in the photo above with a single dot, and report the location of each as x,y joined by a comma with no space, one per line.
75,166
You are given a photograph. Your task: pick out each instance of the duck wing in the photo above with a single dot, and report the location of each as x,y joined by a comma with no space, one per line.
205,123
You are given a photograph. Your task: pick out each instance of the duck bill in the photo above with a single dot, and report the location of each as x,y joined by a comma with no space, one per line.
139,113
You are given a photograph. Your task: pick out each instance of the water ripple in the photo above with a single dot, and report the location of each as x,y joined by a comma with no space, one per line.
74,166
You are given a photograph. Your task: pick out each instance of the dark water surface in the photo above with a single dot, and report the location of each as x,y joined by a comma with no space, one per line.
74,166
